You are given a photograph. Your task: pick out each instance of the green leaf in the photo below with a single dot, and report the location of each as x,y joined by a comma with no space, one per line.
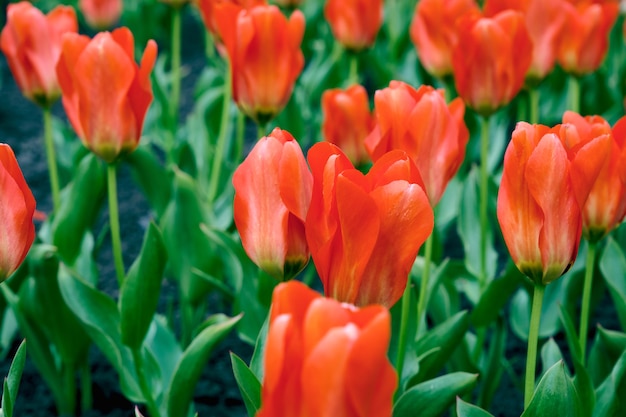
12,381
249,385
492,373
570,334
431,398
555,395
550,323
550,354
496,295
256,363
464,409
140,293
189,368
608,402
152,177
613,268
606,349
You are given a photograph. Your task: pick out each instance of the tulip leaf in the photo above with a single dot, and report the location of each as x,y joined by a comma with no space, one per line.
520,311
613,268
550,354
256,363
189,367
492,373
431,398
607,347
464,409
555,395
12,381
608,394
152,178
140,292
249,385
496,295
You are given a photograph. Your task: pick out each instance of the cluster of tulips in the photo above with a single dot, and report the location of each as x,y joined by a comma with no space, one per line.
437,163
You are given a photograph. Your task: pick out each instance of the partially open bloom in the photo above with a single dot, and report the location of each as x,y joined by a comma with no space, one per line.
584,39
606,205
544,21
325,358
420,123
17,207
547,177
101,14
433,31
347,121
354,23
272,196
491,59
31,42
364,231
105,93
265,58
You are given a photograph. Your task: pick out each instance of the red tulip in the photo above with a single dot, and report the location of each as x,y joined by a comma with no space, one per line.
547,176
325,358
491,59
544,21
105,93
433,31
605,207
31,42
354,23
364,231
101,14
584,40
347,121
16,211
420,123
265,57
272,197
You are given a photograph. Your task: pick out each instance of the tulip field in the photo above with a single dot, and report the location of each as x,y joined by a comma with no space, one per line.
304,208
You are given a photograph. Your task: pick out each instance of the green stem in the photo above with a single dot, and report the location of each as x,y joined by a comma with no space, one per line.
52,161
423,300
86,397
484,194
404,324
69,381
187,322
209,45
239,138
574,94
584,313
175,70
260,130
353,75
220,146
153,410
533,336
533,97
114,221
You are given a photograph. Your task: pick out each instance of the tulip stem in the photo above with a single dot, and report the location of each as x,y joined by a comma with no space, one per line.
574,94
86,397
586,301
423,300
114,221
404,324
353,75
220,146
52,161
239,139
484,194
153,410
260,130
533,98
175,70
69,408
533,336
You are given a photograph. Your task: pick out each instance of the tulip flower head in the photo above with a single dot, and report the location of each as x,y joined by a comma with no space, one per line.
17,208
364,231
354,23
605,207
420,123
105,93
325,358
491,59
434,34
547,177
31,42
272,196
101,14
347,121
265,57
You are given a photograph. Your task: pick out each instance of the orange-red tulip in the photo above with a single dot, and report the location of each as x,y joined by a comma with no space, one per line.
434,34
547,177
265,57
354,23
584,40
348,121
31,42
16,211
491,59
420,123
105,93
101,14
364,231
606,205
544,21
272,195
325,358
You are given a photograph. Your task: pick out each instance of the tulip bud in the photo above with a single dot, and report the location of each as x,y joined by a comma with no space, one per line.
101,14
354,23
